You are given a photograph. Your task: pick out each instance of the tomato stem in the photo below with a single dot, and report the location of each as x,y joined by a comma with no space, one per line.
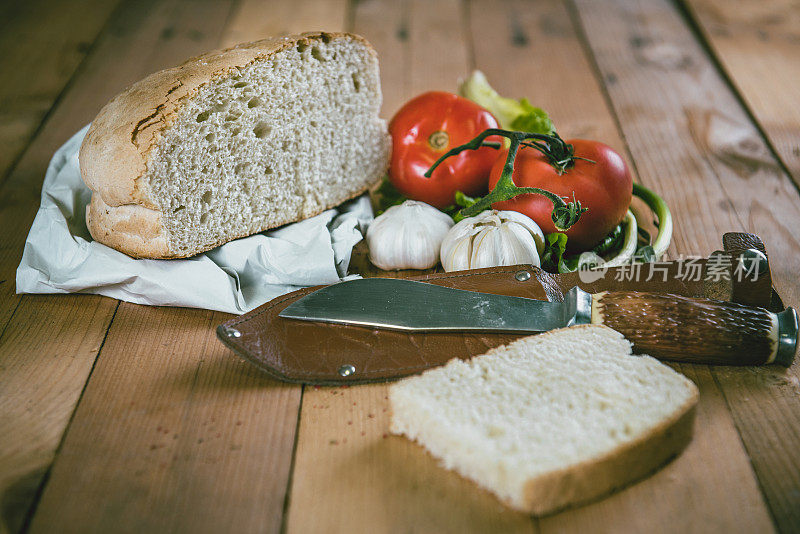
560,155
439,140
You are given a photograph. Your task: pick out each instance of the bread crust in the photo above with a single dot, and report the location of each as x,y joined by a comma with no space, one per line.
115,152
597,477
134,229
630,462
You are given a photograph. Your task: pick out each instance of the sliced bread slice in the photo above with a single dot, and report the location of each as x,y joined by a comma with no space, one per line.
551,420
235,142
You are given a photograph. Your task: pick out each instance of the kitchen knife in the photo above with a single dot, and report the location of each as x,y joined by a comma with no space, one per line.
669,327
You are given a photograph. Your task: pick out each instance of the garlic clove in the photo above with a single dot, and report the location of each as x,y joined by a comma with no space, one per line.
490,239
458,258
522,245
483,248
527,223
408,236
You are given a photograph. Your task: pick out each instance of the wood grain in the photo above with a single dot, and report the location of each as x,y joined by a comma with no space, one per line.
254,20
693,142
141,37
208,441
348,470
688,495
352,476
548,63
543,61
385,24
44,362
172,434
42,44
758,43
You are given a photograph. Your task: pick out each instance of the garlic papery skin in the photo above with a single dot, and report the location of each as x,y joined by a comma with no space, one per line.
491,239
407,236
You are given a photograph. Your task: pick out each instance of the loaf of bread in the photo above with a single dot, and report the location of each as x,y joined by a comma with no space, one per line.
235,142
549,421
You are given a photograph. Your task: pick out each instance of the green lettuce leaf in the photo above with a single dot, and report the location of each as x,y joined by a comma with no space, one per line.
552,259
512,114
533,120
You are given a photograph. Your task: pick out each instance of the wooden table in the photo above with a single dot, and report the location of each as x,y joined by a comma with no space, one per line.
119,417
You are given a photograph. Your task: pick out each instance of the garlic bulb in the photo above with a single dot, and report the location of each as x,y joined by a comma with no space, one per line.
407,236
490,239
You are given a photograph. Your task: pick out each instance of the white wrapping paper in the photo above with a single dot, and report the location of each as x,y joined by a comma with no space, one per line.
60,256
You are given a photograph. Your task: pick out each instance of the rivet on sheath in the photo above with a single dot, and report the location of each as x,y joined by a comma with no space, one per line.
232,332
522,276
753,261
347,370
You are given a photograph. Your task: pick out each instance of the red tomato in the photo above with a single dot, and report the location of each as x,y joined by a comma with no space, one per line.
604,187
422,131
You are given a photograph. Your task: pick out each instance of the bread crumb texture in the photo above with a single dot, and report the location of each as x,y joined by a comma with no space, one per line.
547,408
289,134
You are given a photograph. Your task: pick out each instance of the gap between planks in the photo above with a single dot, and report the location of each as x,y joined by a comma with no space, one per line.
122,55
328,442
756,45
42,46
348,470
665,86
246,495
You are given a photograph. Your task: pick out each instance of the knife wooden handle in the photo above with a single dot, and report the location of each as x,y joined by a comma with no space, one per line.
673,327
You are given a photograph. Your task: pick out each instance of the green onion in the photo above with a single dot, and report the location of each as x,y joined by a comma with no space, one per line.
628,245
661,210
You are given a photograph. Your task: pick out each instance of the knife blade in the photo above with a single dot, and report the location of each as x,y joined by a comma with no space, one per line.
665,326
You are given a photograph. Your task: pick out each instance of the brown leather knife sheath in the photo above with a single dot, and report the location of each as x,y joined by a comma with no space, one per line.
327,354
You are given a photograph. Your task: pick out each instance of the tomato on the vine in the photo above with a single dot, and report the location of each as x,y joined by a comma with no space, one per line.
602,185
422,131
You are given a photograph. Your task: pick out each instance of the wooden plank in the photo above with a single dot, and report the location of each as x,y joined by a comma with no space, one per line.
141,37
692,141
42,43
44,362
539,39
696,144
685,496
350,475
543,61
386,25
757,44
700,471
172,434
208,440
259,19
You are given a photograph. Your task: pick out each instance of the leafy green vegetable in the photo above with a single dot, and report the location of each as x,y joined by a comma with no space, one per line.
533,120
610,242
513,114
552,259
569,263
462,201
388,196
465,201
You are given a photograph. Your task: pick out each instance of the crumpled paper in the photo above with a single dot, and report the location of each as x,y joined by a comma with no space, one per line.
61,257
